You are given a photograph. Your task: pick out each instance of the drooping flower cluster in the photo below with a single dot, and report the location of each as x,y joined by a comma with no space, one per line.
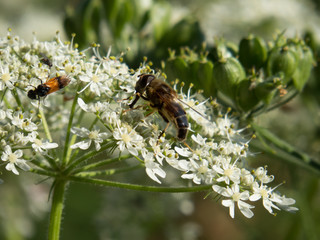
91,116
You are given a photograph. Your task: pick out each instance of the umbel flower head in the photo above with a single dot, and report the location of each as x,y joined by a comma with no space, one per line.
88,123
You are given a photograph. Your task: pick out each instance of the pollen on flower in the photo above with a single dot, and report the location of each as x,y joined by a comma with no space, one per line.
38,142
202,169
95,78
236,196
12,158
93,134
126,137
68,68
5,77
264,193
228,172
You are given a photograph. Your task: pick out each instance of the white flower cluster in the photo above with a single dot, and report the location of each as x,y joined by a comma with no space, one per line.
101,88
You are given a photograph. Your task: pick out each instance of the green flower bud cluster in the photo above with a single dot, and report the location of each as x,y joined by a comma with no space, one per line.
250,76
190,66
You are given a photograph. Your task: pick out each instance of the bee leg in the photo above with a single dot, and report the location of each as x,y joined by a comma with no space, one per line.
186,144
164,130
149,114
129,109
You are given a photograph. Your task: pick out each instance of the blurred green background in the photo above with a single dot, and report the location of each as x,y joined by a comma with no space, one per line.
149,28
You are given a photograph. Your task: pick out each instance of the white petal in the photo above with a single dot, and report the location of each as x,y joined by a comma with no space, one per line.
245,209
49,145
82,145
230,204
183,152
222,191
152,175
7,149
94,88
254,197
11,167
23,165
98,147
82,105
187,176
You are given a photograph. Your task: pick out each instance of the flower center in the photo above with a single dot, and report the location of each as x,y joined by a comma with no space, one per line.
236,197
126,137
93,134
12,158
38,142
228,172
68,68
95,78
264,193
202,169
5,77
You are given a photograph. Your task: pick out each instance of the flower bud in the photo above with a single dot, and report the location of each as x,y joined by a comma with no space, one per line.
201,73
176,67
227,73
282,60
252,52
246,98
265,90
303,70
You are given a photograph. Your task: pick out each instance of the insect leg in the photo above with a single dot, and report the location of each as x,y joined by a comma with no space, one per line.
164,130
186,144
135,100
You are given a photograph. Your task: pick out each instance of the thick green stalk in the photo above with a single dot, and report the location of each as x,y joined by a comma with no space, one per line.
56,209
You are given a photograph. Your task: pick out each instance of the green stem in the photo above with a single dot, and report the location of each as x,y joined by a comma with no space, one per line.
107,172
43,172
45,124
282,149
16,96
140,187
67,149
101,163
56,209
86,157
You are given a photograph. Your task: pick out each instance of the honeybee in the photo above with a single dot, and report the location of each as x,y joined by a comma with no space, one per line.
52,85
163,98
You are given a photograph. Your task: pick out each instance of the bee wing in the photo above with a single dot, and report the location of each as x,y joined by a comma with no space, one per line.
53,84
192,108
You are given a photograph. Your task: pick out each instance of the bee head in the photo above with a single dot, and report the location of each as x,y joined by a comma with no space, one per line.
143,82
32,94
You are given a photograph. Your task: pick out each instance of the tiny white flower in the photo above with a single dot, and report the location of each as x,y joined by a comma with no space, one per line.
111,117
198,171
132,141
264,192
236,197
14,159
227,171
5,77
284,202
153,168
96,81
246,177
261,175
92,136
41,146
96,107
184,152
18,120
2,114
